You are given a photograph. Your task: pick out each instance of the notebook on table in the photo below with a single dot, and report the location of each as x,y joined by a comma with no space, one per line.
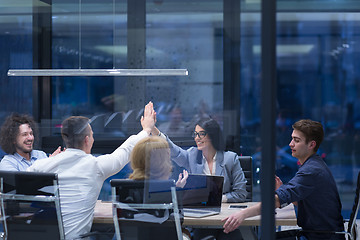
202,195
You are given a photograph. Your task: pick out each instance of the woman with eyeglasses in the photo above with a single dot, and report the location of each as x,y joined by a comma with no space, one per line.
210,158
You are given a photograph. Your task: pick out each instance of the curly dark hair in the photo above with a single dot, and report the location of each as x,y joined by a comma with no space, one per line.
10,130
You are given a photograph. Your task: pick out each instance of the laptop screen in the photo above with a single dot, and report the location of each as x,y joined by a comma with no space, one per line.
202,191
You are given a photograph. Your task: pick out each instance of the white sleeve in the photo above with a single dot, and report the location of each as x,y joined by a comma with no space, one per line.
111,164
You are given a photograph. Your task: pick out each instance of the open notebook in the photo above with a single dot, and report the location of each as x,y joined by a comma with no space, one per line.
201,196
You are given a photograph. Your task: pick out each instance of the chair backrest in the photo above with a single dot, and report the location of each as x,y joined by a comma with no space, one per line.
247,167
30,205
354,212
144,209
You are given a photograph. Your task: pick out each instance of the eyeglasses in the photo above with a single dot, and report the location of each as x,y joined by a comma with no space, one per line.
200,134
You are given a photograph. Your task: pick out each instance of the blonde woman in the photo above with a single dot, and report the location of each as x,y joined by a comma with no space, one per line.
150,159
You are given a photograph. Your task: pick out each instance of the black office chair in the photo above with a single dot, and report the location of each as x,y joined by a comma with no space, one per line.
30,206
247,167
145,210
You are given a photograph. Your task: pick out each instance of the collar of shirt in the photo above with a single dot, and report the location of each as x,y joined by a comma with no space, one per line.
77,151
312,156
20,158
206,166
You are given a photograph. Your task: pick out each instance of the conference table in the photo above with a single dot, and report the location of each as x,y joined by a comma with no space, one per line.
283,217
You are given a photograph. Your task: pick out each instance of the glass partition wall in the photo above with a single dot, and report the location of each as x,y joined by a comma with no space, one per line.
317,73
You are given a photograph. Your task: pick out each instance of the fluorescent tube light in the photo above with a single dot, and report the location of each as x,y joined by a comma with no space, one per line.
95,72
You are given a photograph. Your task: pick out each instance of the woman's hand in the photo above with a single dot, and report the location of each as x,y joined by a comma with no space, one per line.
182,179
155,131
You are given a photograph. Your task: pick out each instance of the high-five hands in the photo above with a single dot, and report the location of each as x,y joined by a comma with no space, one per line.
148,120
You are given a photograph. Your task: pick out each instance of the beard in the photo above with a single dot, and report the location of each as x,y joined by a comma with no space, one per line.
23,148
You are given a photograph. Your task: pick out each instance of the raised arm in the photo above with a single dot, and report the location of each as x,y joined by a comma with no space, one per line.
178,155
114,162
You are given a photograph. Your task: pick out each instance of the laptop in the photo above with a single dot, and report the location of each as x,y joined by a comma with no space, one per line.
201,196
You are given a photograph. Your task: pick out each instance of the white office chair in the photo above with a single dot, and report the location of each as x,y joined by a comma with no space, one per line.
145,210
30,206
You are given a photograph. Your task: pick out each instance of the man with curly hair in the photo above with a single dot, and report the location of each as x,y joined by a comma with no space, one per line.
17,137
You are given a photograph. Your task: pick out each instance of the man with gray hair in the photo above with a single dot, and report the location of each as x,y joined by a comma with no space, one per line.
81,175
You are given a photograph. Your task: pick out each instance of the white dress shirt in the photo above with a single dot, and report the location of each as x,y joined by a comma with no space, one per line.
81,177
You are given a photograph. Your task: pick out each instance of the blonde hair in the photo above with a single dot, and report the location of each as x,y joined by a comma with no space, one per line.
150,159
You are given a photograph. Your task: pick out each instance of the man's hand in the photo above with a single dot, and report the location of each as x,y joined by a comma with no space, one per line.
233,221
56,152
182,179
278,182
149,118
